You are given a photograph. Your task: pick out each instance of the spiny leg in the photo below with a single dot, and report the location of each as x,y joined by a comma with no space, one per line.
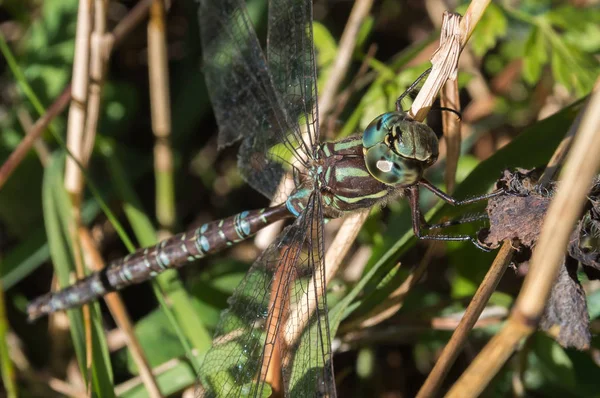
418,222
410,89
450,200
446,109
451,223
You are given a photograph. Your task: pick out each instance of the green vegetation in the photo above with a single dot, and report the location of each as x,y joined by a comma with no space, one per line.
529,68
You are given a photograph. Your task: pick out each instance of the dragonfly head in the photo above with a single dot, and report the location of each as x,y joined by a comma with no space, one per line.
398,149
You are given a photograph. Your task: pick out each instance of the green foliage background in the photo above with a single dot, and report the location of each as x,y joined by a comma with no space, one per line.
552,49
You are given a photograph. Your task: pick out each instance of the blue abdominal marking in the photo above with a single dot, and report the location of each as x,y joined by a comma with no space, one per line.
97,287
127,274
164,258
204,243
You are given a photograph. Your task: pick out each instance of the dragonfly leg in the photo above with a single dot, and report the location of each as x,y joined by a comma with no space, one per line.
419,224
465,220
410,89
444,108
450,200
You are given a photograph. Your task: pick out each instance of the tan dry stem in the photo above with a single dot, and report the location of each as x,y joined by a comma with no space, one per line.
451,124
79,93
121,317
98,62
444,66
160,106
467,322
73,180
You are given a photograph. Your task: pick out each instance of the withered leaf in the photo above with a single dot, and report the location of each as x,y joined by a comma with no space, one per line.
518,216
567,309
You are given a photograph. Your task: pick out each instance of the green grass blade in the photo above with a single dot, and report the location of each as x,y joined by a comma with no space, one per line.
57,213
6,366
170,284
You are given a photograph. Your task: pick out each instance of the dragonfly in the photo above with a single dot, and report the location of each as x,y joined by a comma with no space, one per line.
267,101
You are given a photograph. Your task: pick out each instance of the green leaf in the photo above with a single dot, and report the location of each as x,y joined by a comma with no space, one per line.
158,340
535,56
593,304
171,379
492,27
570,18
573,69
555,363
326,49
365,30
171,285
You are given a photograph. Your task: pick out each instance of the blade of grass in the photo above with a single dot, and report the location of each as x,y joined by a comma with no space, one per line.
56,214
6,366
145,233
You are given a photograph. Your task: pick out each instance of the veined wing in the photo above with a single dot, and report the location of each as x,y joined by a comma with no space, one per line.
254,347
291,57
247,105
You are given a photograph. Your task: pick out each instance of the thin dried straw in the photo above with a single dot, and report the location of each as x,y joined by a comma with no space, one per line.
121,317
73,180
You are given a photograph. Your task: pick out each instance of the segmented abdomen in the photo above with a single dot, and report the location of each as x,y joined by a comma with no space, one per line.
146,263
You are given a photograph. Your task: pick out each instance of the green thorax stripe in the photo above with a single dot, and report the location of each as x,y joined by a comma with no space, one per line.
341,173
376,195
342,145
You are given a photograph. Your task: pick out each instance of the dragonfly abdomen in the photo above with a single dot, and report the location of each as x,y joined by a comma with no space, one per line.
145,263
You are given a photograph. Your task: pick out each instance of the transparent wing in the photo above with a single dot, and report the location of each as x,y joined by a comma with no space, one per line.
308,360
291,57
247,104
275,333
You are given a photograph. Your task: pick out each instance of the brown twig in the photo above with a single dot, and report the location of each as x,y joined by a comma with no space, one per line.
451,124
39,146
468,321
34,133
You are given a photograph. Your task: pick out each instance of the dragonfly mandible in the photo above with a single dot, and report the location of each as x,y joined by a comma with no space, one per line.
268,101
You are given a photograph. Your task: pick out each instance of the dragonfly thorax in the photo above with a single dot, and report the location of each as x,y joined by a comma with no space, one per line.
398,149
362,171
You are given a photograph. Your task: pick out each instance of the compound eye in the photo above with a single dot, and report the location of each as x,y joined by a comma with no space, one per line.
418,142
376,131
386,166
